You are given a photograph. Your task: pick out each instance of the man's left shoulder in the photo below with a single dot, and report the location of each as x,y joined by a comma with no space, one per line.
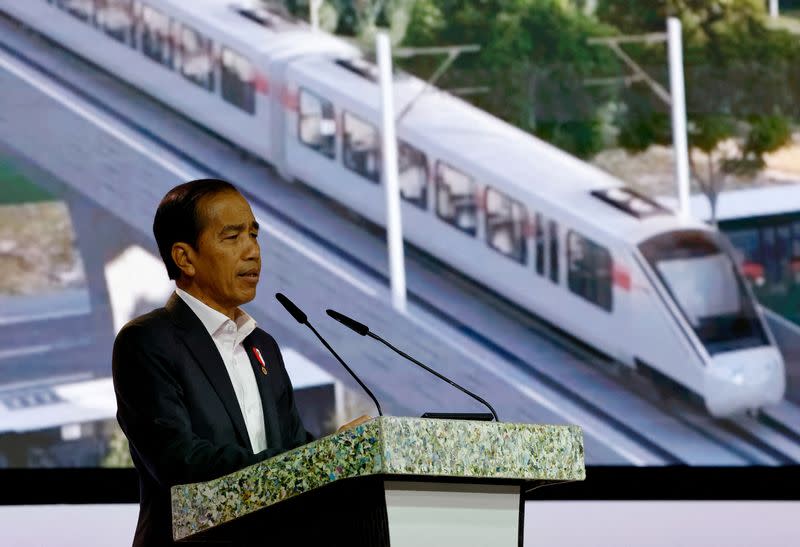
260,336
267,345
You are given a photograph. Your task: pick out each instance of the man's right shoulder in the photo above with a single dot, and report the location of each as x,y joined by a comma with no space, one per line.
154,323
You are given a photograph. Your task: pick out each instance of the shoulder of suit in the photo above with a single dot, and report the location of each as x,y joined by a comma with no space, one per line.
261,335
152,322
265,341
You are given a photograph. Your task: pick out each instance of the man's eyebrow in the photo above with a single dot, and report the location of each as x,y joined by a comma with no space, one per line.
232,228
255,226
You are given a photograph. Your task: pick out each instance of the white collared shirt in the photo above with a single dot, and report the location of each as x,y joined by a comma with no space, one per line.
228,337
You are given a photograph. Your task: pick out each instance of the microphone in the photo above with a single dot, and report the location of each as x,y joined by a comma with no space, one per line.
295,312
363,330
301,318
360,328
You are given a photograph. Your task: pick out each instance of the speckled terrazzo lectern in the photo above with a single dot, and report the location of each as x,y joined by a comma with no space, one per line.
398,481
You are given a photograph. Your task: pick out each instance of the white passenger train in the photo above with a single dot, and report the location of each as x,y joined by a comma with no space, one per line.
545,230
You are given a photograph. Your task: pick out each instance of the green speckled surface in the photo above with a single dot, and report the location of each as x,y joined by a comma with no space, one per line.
387,445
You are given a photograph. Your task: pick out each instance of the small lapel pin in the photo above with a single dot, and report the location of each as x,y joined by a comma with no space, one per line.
257,353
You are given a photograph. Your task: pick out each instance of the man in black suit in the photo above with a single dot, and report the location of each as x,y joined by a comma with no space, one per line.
201,391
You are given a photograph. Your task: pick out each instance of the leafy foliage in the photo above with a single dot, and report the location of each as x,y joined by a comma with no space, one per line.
534,59
742,87
358,18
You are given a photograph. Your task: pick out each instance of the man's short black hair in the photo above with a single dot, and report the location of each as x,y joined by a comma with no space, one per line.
178,220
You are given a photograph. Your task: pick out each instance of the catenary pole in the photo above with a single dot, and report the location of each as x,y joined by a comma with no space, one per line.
394,224
313,8
678,106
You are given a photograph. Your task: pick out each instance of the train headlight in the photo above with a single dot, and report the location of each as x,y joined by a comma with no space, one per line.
731,374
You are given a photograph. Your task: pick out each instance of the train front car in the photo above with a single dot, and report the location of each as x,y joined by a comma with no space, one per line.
743,368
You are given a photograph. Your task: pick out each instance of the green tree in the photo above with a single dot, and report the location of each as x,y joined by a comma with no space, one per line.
359,19
534,59
741,84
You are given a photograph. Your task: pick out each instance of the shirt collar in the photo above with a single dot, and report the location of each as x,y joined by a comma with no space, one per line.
213,320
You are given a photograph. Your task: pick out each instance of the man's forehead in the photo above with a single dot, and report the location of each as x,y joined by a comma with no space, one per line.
227,208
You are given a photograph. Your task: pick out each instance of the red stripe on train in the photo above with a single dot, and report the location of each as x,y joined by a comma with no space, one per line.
621,277
289,99
261,84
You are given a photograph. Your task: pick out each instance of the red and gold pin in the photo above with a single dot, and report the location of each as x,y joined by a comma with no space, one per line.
257,353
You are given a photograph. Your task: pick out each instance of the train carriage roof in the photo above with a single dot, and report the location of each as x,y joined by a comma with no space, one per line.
493,151
271,39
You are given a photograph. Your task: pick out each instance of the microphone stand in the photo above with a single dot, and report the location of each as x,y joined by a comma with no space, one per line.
347,368
440,376
363,330
302,318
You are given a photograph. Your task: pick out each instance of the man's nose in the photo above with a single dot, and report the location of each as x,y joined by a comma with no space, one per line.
253,250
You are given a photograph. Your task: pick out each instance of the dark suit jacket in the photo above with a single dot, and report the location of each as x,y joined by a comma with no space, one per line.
177,406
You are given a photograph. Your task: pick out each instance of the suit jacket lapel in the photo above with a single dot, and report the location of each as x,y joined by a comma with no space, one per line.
265,389
202,347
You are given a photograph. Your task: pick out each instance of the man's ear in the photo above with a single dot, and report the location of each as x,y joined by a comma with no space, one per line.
182,255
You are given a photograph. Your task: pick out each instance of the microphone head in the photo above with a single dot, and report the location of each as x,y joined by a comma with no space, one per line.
352,324
295,312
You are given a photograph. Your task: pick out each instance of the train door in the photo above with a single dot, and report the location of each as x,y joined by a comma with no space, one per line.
590,292
546,247
546,268
624,314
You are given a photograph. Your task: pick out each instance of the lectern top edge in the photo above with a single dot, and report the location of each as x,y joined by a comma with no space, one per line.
392,446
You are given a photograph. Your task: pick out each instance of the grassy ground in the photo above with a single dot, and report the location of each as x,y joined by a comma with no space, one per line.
37,242
15,188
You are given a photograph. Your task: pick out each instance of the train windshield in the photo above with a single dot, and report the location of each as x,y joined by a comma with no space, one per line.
702,278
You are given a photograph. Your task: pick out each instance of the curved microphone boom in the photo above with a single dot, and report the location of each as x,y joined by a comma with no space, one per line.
363,330
348,322
301,318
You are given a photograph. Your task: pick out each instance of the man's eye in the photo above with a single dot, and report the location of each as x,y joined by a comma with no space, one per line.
232,237
254,234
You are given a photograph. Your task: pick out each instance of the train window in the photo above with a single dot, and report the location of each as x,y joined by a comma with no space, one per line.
115,17
703,281
746,244
589,270
316,124
784,248
775,245
362,148
196,61
505,225
539,239
552,233
80,9
156,43
456,202
413,167
237,81
768,251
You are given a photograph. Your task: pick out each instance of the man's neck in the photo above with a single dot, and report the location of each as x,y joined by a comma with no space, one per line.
194,291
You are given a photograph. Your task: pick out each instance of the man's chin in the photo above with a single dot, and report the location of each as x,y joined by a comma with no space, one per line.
247,295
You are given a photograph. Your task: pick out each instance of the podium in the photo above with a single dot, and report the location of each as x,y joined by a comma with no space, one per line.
390,481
